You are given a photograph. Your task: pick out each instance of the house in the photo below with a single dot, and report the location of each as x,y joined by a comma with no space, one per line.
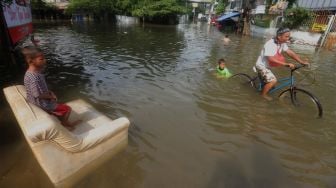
234,5
230,19
324,13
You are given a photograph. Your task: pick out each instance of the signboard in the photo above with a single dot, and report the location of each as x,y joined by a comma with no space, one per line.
18,18
260,9
317,27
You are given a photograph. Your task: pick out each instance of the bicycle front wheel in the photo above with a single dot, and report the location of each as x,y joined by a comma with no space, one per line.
303,100
242,80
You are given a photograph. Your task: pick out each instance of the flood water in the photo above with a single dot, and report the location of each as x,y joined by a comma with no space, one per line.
189,128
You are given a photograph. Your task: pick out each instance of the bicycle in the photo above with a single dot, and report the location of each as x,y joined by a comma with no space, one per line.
294,95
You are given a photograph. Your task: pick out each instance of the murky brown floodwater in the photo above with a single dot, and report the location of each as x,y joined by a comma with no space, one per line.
189,128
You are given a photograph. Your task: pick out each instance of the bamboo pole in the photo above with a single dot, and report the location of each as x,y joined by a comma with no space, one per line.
330,23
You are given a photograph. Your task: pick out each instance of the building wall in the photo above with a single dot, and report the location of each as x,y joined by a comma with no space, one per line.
234,5
260,2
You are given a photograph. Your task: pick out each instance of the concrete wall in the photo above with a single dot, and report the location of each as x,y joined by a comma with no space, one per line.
299,37
127,19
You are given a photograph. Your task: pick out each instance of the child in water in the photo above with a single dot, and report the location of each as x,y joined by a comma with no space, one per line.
37,89
222,70
226,40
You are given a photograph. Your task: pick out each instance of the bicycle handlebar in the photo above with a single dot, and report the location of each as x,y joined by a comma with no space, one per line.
298,67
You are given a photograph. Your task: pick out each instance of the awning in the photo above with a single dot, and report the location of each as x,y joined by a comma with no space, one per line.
227,16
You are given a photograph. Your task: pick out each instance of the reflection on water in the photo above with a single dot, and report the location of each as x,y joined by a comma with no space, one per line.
189,128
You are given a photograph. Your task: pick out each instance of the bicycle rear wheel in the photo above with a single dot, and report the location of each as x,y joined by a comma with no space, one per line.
302,99
258,83
242,80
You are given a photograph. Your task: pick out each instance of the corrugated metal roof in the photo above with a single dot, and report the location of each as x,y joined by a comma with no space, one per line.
318,4
227,16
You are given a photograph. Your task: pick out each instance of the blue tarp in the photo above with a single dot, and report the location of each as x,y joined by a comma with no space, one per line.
227,16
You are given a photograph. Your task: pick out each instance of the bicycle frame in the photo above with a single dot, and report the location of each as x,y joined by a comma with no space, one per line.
298,97
282,82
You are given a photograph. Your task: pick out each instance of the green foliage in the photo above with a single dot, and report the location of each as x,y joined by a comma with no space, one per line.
295,17
262,22
220,8
92,6
41,5
142,8
123,6
158,8
291,3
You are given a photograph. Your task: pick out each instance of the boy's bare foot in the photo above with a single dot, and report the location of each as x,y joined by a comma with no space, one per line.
268,98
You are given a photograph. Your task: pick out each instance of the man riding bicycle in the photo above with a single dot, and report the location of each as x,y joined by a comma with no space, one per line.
271,56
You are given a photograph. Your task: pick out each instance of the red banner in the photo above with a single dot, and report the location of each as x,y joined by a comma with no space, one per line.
19,32
18,19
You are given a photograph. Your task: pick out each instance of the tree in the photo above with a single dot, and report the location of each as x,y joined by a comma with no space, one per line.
291,3
295,17
163,11
220,8
247,7
160,10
